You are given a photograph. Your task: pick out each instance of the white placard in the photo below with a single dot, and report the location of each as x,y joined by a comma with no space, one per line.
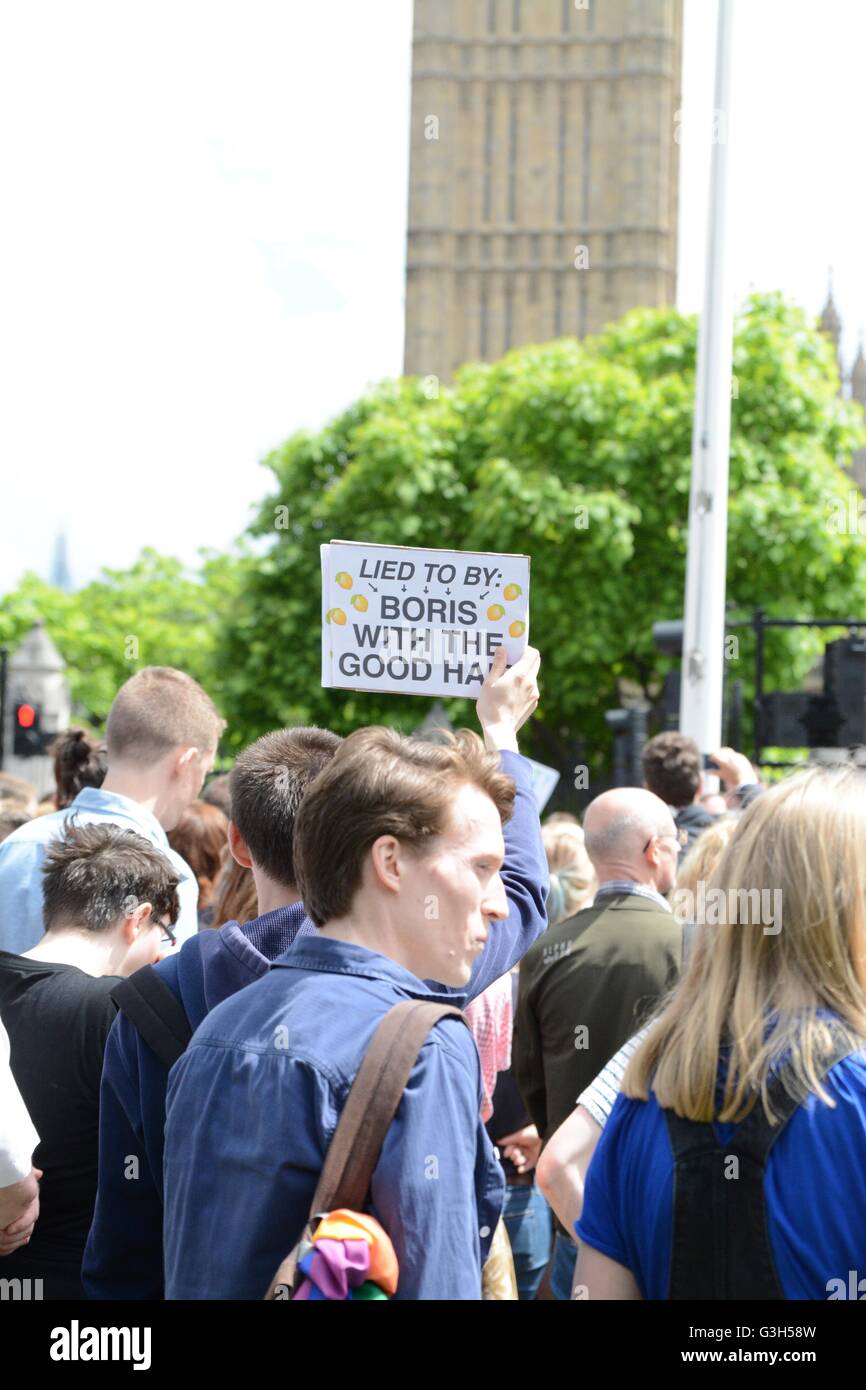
544,779
419,622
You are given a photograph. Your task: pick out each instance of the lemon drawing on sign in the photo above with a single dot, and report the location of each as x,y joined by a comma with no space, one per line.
495,612
516,629
344,580
358,601
336,615
511,592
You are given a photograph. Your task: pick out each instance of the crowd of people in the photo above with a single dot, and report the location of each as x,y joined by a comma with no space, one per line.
607,1091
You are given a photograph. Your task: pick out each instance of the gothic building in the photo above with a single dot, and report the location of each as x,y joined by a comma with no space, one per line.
544,171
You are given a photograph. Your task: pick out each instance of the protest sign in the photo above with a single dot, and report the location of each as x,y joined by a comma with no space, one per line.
544,779
419,622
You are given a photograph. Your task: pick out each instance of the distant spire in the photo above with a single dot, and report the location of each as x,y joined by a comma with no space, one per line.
60,576
830,321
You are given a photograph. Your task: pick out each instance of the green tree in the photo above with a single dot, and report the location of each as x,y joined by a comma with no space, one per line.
156,613
578,454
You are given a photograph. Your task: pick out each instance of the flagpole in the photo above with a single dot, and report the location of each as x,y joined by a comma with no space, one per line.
704,628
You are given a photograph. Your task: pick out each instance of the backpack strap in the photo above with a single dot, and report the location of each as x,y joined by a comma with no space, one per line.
156,1013
372,1104
370,1107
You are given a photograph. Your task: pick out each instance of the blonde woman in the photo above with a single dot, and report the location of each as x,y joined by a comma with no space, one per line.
564,1163
572,877
732,1165
698,864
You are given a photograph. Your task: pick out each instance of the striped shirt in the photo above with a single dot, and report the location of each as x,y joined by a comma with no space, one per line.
600,1096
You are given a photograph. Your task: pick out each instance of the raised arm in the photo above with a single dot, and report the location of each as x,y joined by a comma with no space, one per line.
507,699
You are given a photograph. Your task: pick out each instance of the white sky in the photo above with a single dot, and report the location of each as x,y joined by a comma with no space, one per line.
202,239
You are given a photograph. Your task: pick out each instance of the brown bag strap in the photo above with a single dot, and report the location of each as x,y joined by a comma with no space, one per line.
372,1104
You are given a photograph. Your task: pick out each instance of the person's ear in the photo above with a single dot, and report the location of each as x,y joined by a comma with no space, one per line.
135,921
184,757
385,859
238,847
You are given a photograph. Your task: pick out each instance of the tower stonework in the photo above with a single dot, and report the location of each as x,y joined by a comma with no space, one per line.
544,171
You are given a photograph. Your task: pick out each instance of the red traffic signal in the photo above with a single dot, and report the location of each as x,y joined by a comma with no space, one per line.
25,716
29,740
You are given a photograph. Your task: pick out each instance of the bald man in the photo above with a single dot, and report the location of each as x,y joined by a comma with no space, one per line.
589,983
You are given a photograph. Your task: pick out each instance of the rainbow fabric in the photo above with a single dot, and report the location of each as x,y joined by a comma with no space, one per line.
351,1257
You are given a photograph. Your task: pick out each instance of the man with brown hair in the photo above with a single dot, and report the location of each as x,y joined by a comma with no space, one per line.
398,850
673,769
161,736
124,1257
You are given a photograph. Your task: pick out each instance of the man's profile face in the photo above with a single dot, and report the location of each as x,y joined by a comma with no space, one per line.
454,894
669,848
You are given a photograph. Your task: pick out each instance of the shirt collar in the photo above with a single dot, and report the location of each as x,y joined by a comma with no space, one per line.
273,933
95,800
620,886
345,958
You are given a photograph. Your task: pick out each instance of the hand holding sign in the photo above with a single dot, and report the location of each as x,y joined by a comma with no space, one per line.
507,699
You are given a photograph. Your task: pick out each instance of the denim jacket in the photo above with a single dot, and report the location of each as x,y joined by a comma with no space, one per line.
253,1104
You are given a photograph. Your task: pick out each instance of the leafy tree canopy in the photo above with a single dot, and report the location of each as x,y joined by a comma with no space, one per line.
157,613
579,454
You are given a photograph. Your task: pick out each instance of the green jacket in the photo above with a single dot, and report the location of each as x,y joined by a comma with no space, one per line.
586,987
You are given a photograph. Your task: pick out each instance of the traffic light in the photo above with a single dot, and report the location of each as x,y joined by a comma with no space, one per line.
29,741
629,737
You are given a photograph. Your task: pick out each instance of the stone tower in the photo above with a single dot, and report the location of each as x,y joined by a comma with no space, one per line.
544,171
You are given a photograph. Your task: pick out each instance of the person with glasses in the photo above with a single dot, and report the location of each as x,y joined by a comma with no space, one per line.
590,982
110,905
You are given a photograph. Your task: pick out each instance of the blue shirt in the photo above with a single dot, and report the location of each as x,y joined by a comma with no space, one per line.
22,853
814,1191
124,1257
252,1107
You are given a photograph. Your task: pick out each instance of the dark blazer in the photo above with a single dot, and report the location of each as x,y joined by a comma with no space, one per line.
586,987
